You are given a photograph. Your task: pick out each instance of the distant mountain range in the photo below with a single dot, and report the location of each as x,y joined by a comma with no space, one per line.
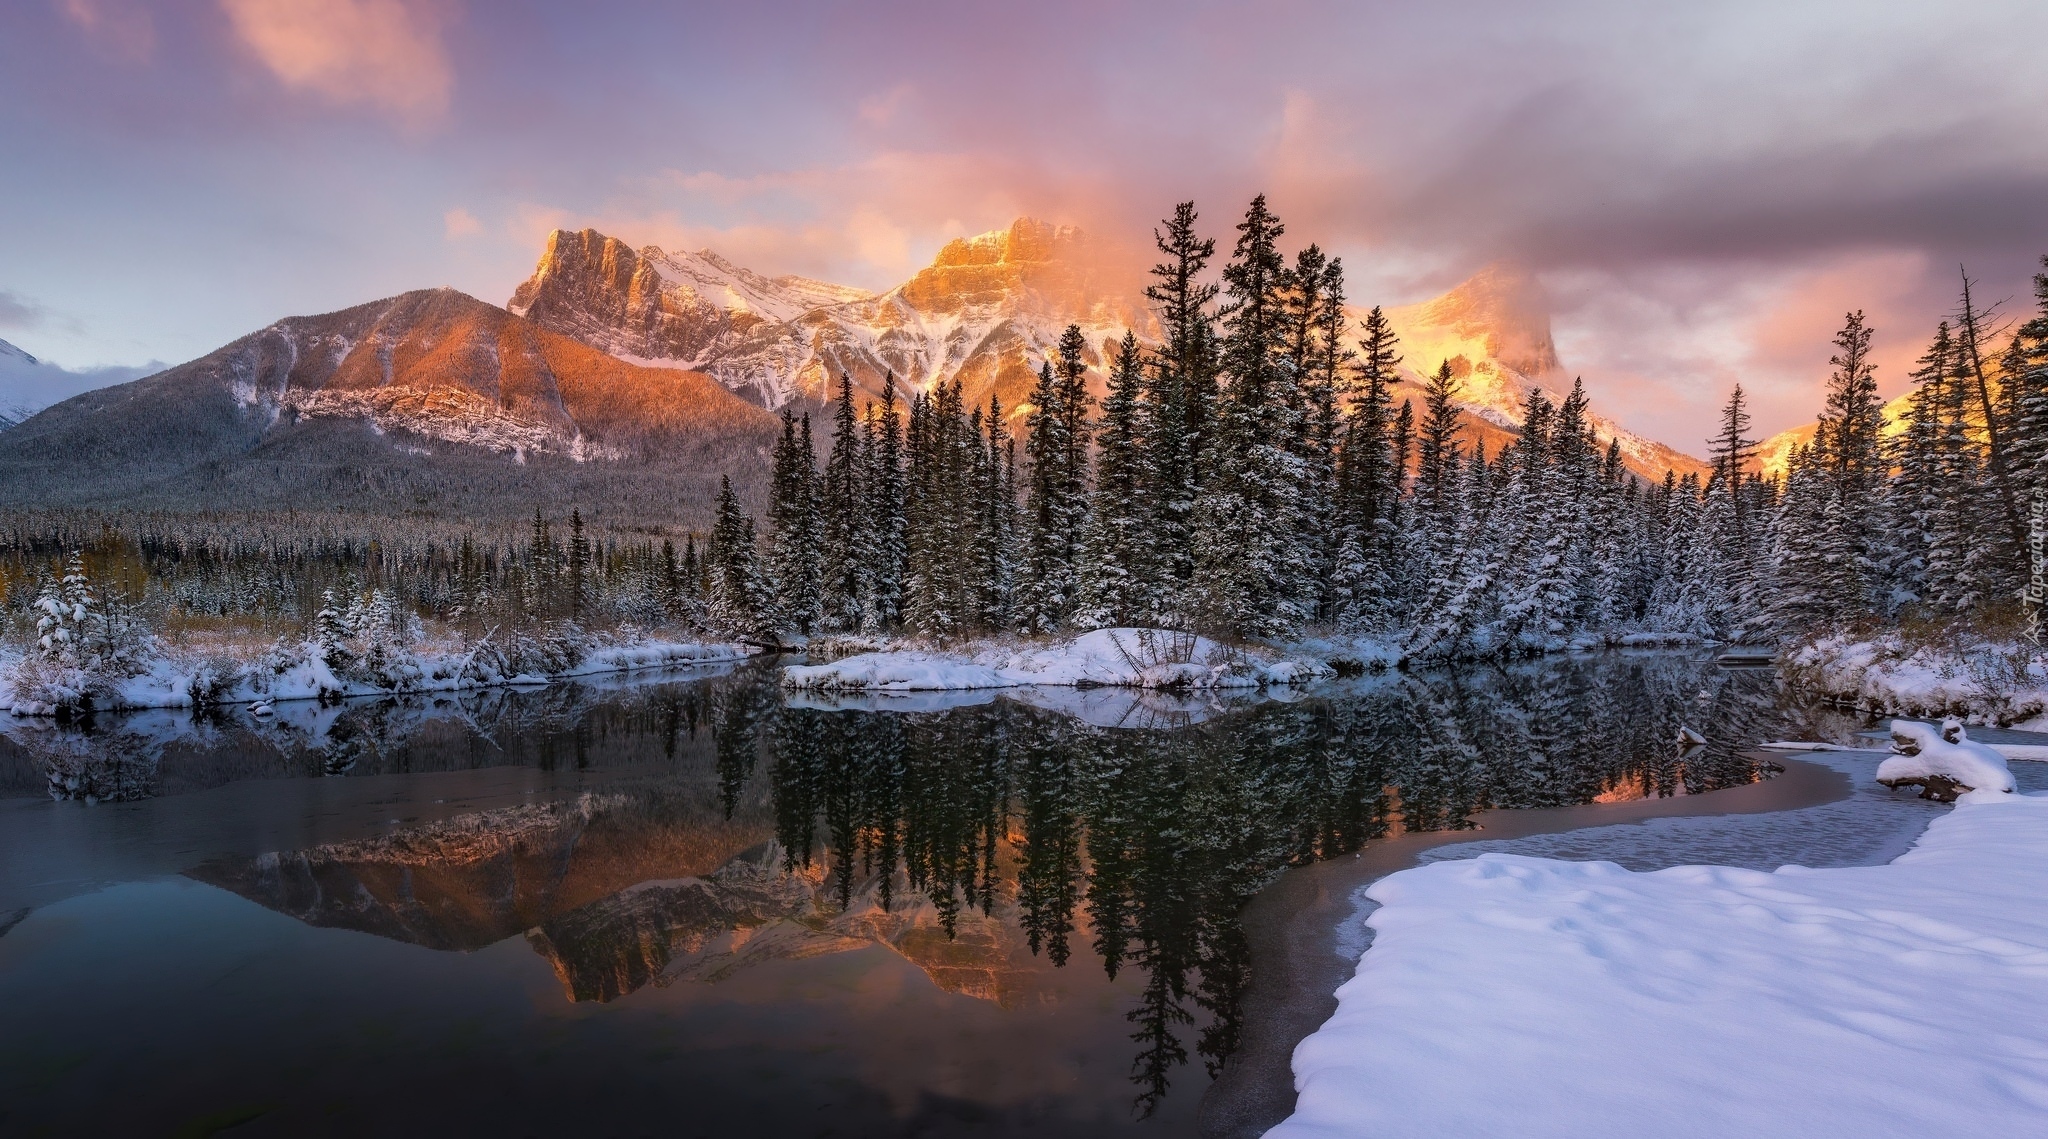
430,402
28,385
626,381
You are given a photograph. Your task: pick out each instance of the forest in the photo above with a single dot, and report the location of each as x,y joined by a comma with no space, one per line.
1263,472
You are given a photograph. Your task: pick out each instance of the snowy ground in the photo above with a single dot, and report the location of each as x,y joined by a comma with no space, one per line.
1126,658
1506,994
1984,681
258,675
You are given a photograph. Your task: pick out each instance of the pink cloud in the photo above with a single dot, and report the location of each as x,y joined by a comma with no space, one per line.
385,54
120,28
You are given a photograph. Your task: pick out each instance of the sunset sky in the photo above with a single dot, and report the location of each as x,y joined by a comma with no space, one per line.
1705,188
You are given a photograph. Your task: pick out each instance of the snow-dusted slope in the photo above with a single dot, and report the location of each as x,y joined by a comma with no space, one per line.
431,399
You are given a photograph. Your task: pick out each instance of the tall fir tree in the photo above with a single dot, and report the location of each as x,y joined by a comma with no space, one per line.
844,519
736,598
1119,582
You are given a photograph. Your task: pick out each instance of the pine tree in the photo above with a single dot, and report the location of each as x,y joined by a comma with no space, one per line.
1249,562
578,566
843,520
1998,468
795,563
1056,508
1850,438
1118,581
736,599
996,521
883,606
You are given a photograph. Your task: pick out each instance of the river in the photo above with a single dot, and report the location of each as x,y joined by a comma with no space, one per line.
685,904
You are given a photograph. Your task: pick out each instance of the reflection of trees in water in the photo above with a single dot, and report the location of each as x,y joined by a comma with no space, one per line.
572,725
1146,845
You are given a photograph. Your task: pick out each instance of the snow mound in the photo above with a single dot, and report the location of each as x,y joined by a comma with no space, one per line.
1521,996
1105,658
1971,764
901,671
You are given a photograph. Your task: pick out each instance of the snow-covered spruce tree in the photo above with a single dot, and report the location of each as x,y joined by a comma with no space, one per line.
843,521
1056,507
736,600
1368,484
882,608
795,562
1852,426
1249,566
64,615
1802,595
1459,615
579,585
1179,398
2003,549
940,510
1320,362
2024,382
1913,501
1119,583
1532,613
1433,512
995,529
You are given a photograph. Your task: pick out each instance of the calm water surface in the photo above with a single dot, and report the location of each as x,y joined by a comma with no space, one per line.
687,906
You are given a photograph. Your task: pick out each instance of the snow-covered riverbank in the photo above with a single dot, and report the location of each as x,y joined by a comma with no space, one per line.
1979,679
1107,658
183,677
1526,996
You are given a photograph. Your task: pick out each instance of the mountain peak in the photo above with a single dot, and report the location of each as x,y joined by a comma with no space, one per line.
1504,309
1025,240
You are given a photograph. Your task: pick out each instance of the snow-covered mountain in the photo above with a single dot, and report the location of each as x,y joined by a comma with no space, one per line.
985,311
1494,329
28,384
431,400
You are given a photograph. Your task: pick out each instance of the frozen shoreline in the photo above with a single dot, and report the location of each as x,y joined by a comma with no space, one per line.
187,679
1877,999
1980,680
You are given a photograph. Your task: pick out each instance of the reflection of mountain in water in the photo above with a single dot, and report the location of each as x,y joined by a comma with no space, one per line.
991,843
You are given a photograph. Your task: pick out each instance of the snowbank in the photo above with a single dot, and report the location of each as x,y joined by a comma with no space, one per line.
1887,675
1530,997
1109,658
171,678
1973,765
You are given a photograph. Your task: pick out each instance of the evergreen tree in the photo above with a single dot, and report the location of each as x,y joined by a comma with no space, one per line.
882,608
843,518
578,566
1118,580
1056,508
736,599
1249,561
795,562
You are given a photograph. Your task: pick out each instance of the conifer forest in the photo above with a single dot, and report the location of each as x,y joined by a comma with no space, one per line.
1261,472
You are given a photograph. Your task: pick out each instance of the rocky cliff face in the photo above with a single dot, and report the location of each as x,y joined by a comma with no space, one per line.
674,309
984,312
